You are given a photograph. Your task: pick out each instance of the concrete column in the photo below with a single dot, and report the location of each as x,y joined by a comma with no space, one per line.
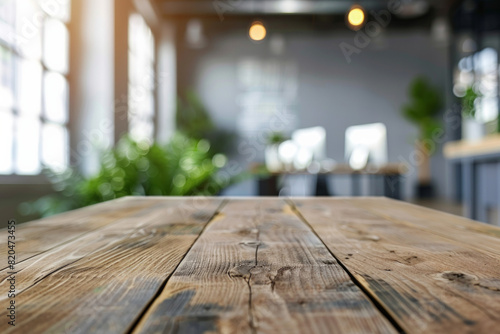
123,9
91,81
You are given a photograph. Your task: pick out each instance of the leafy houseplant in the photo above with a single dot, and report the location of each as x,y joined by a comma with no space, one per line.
182,167
422,109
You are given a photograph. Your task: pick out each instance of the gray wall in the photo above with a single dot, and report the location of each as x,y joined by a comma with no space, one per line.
331,93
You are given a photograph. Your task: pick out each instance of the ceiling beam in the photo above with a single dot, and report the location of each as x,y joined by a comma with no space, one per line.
269,7
149,10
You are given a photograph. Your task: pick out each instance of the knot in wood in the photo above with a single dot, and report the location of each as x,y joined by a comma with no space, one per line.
253,243
460,277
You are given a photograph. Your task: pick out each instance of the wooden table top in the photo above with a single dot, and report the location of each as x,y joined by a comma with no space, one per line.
261,265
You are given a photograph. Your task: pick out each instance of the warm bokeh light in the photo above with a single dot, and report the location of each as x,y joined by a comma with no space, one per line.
257,31
356,17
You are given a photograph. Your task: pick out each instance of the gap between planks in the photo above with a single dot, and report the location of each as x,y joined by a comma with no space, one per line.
109,279
434,283
148,306
373,298
333,300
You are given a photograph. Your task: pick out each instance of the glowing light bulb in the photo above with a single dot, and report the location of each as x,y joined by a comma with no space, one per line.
356,17
257,31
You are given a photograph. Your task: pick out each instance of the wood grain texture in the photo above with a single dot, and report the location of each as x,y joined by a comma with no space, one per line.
103,280
428,282
41,235
258,268
482,236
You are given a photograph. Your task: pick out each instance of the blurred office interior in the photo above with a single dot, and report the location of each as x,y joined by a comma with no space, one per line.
101,99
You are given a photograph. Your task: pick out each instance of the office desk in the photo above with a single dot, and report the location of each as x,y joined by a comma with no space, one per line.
480,174
390,175
255,265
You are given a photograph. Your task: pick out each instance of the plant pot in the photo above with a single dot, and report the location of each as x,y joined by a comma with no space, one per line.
425,191
424,165
472,130
273,162
424,187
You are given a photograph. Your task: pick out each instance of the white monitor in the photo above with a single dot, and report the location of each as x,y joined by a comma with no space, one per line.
366,144
312,140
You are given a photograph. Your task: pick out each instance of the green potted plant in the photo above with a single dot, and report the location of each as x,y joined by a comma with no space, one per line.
472,128
422,110
182,167
273,162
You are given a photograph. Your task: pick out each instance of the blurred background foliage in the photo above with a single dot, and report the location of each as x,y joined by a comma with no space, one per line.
194,121
183,167
190,164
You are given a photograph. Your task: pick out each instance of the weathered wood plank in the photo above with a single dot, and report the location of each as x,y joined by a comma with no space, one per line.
258,268
102,281
41,235
427,282
481,236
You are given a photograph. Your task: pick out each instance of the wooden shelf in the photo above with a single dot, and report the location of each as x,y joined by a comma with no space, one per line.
464,148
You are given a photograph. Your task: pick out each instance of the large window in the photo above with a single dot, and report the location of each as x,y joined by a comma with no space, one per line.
34,47
141,79
481,71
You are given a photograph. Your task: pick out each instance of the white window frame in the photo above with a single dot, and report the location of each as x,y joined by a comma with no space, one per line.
14,49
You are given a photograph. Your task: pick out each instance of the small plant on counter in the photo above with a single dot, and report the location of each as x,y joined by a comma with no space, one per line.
273,161
472,127
469,102
276,138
